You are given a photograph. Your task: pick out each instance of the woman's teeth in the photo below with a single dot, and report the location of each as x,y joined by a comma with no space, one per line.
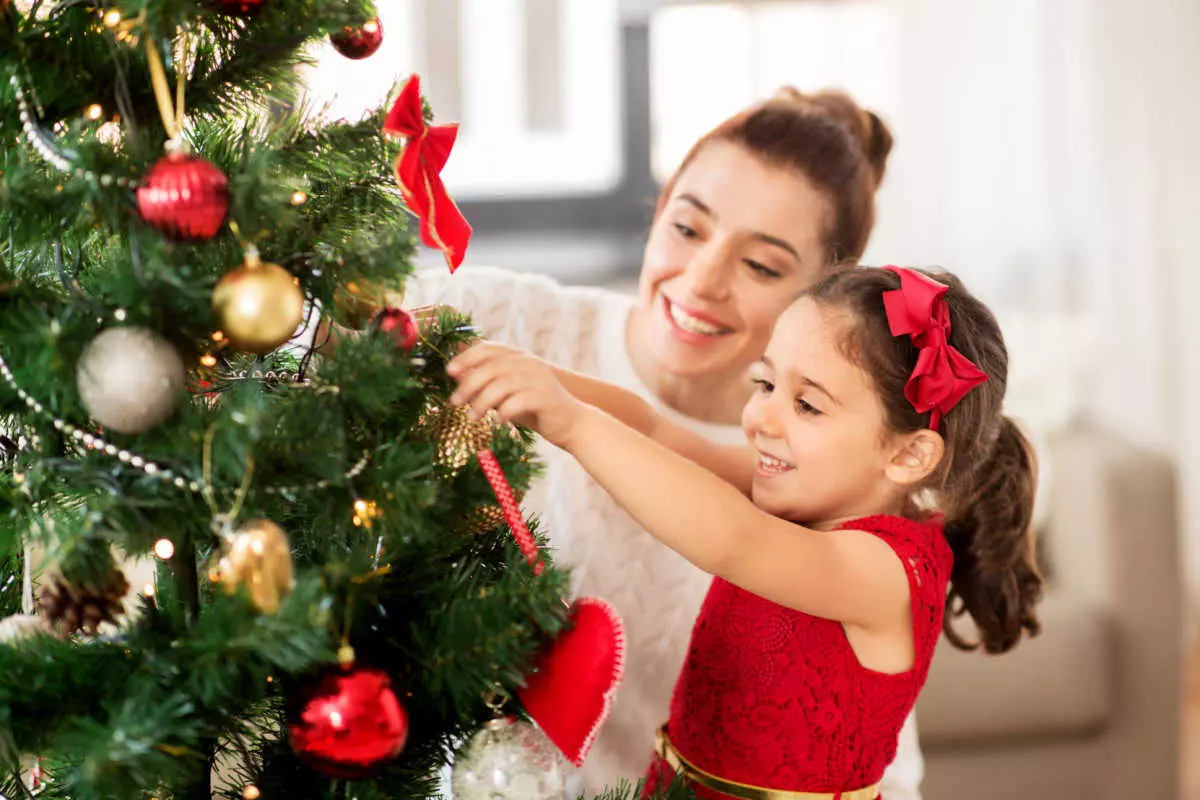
690,323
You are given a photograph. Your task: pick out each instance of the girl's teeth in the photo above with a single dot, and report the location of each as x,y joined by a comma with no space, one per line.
774,464
690,323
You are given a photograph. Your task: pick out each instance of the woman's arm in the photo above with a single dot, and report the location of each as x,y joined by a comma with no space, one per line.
733,463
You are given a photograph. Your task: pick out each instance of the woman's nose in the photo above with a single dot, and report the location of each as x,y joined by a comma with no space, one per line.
709,273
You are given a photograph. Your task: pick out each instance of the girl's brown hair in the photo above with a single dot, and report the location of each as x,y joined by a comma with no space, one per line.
829,139
986,480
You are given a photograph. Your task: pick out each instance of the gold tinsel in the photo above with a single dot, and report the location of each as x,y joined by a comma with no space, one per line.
456,441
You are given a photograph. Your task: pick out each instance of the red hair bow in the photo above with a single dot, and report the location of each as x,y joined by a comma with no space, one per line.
418,169
942,375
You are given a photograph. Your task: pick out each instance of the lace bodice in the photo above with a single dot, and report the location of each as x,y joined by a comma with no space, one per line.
774,697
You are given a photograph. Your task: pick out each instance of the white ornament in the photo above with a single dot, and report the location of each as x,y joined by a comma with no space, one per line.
509,760
129,379
21,626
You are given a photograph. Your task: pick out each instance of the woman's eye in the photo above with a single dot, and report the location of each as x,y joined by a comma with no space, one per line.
764,386
763,269
685,231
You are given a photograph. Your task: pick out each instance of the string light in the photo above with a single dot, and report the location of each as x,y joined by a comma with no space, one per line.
251,792
208,360
94,112
148,590
112,19
299,198
164,549
365,512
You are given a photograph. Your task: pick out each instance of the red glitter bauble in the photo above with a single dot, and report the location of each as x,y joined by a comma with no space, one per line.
358,42
241,8
400,324
185,197
349,723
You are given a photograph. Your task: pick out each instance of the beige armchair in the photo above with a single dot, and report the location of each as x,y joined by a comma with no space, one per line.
1091,708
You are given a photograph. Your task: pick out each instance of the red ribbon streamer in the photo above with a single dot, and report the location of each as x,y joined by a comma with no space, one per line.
418,171
512,512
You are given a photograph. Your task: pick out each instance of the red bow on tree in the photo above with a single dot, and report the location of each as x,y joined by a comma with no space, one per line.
942,375
418,169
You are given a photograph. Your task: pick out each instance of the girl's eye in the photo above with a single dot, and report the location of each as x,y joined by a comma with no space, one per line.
763,269
805,407
685,231
764,386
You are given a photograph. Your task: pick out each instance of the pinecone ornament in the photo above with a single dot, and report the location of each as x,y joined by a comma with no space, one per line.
68,608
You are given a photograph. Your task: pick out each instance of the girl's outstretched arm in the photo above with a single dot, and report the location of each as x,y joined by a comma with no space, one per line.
850,576
733,463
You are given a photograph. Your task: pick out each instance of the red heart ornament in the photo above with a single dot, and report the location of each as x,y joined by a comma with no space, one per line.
571,689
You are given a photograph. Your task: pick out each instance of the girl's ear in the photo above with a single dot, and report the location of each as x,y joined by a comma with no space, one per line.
914,457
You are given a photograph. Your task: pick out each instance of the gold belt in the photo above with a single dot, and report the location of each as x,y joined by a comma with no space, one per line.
741,790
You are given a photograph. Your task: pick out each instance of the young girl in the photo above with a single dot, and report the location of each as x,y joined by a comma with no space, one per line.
881,486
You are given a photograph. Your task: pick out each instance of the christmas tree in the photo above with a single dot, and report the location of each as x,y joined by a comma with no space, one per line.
337,600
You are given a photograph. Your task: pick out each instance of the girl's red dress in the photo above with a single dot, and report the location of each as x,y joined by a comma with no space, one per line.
773,697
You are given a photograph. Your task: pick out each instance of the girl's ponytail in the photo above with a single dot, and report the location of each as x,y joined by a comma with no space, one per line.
995,577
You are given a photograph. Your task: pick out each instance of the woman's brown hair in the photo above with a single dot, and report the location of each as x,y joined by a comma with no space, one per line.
986,479
829,139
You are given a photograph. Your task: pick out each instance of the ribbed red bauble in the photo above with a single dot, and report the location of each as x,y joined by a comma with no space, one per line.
185,197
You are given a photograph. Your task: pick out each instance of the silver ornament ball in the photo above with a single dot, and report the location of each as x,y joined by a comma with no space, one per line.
129,379
509,760
21,626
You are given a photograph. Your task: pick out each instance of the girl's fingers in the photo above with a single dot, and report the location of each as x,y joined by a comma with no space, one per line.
470,383
472,357
515,407
493,395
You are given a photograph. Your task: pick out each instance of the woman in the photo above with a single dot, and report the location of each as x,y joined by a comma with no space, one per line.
760,209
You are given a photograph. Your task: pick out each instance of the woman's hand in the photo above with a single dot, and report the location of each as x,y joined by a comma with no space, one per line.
519,387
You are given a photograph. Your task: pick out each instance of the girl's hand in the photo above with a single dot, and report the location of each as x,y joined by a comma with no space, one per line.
519,387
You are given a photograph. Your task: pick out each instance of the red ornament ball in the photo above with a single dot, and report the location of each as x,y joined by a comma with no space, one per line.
241,8
400,324
185,197
358,42
349,723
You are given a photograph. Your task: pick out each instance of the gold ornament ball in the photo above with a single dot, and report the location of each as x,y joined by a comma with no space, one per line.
259,305
259,558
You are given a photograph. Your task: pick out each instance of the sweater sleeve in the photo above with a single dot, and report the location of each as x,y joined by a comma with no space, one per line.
902,778
524,310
